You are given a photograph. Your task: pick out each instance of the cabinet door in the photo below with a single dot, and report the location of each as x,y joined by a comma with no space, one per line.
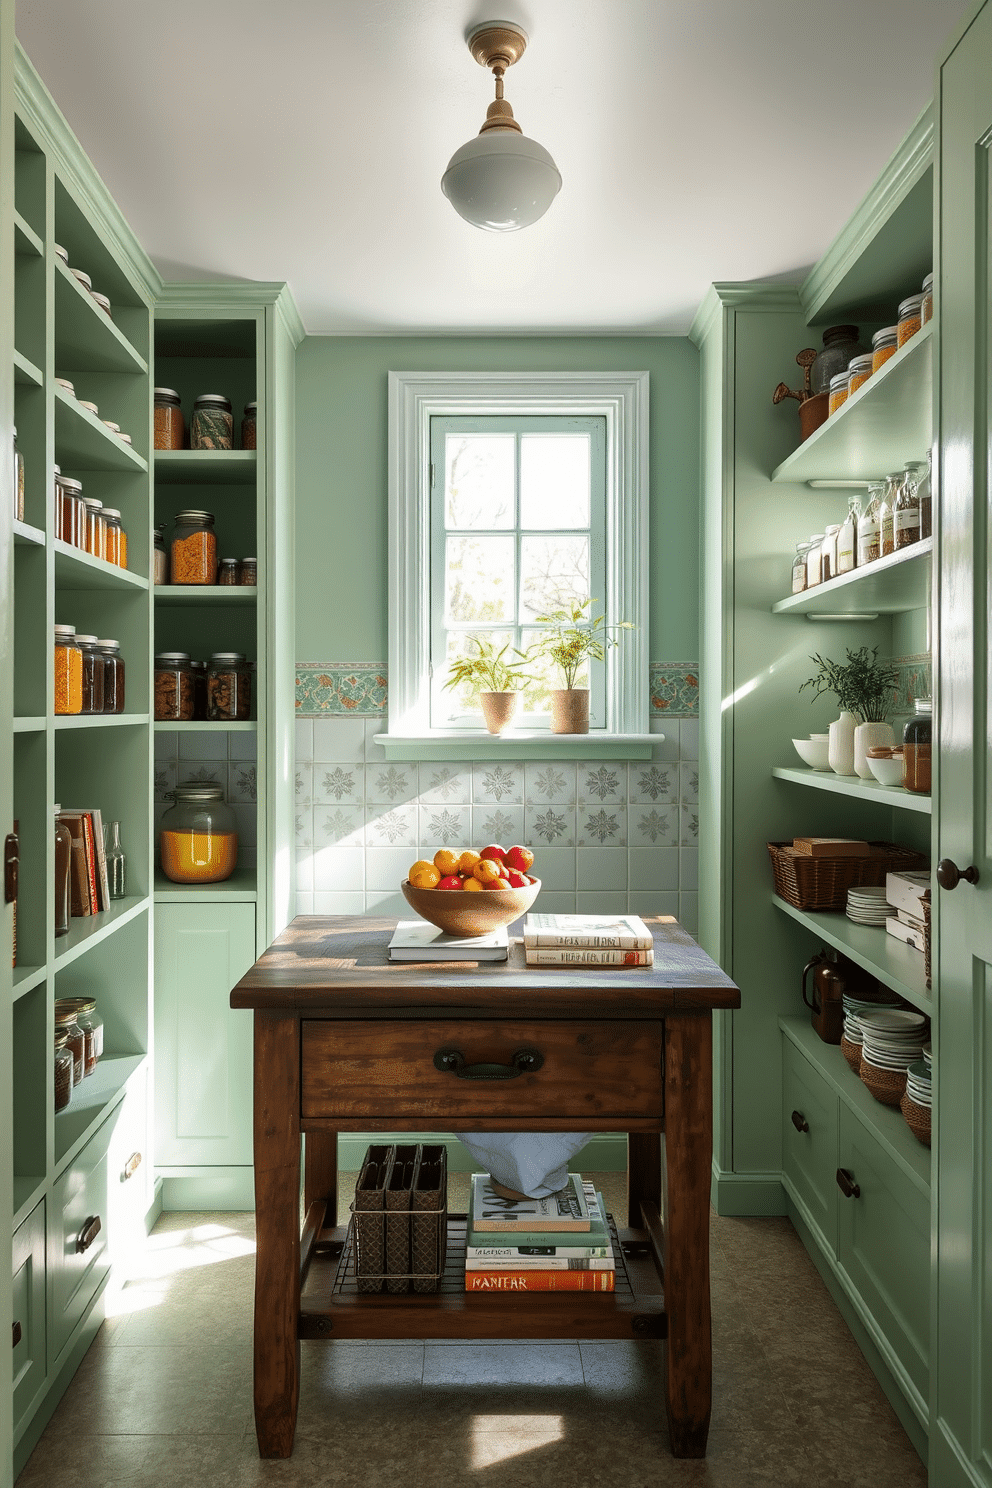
80,1251
29,1310
129,1171
809,1141
203,1047
883,1243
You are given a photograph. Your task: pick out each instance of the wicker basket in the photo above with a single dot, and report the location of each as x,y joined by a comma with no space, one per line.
852,1053
887,1086
822,883
917,1118
927,937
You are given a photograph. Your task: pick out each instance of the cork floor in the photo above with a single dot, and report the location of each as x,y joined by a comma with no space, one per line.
163,1397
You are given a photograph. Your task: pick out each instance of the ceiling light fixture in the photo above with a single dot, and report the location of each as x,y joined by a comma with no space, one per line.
501,180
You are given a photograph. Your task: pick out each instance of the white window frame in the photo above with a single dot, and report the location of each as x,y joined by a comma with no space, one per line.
416,397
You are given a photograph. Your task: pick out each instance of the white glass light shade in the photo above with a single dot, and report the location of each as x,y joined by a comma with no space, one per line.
501,181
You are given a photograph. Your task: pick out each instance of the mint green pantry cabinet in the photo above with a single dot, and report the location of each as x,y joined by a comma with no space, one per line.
28,1312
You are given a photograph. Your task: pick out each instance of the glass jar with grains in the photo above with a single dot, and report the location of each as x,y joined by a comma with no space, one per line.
248,573
116,543
228,687
910,318
65,1022
227,571
858,372
70,511
887,513
884,344
63,1070
248,431
68,671
838,393
926,309
173,686
212,424
907,512
847,538
96,528
916,748
113,676
92,673
91,1023
194,548
170,430
869,540
198,842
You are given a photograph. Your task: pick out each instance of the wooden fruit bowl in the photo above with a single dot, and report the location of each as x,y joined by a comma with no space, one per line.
459,913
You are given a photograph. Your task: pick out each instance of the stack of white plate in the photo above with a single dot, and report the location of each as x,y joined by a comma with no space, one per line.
928,1055
854,1007
892,1038
918,1083
868,906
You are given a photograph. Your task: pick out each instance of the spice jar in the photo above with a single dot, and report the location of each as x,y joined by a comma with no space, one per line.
248,426
840,344
161,558
916,745
65,1022
886,513
199,671
69,500
884,344
869,538
68,671
91,1023
173,686
63,1071
838,393
198,842
858,372
813,560
18,481
92,673
926,308
248,573
96,528
828,553
799,567
228,687
907,511
194,548
847,539
114,543
212,425
113,676
924,495
910,318
63,859
227,571
170,430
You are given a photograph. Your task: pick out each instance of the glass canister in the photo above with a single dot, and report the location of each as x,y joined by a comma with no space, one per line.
884,344
799,567
924,492
916,748
194,548
227,572
248,429
63,1071
18,480
248,573
68,671
840,344
910,318
907,512
89,1020
813,560
161,557
112,547
199,671
69,500
886,513
838,393
926,308
113,676
198,841
92,673
869,536
847,538
63,860
228,688
65,1022
170,430
858,372
212,424
173,687
828,553
96,528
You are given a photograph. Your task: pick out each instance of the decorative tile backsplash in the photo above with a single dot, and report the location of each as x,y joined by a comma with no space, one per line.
914,680
214,757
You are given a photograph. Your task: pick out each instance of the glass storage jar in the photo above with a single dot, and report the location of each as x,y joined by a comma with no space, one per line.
884,344
907,512
838,393
813,560
112,546
212,424
869,537
68,671
194,548
248,426
840,344
65,1022
89,1020
173,687
886,513
92,673
18,480
161,558
198,841
69,499
858,372
248,573
113,676
828,553
926,309
799,567
228,687
63,1071
170,431
63,860
227,572
925,497
96,528
847,538
910,318
199,670
916,747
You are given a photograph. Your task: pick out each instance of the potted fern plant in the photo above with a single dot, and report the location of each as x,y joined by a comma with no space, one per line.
863,687
492,675
571,640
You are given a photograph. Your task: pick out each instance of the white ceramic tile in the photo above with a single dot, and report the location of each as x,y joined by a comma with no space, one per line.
601,824
555,867
501,784
689,870
391,826
387,902
549,824
247,819
689,739
552,782
303,737
601,781
242,745
690,825
304,903
203,744
304,870
651,782
303,784
165,780
242,780
500,824
203,772
653,826
665,746
340,784
601,868
442,784
389,783
344,825
689,781
166,745
551,902
374,751
642,902
600,902
654,869
339,902
386,868
339,740
443,826
303,826
339,868
689,912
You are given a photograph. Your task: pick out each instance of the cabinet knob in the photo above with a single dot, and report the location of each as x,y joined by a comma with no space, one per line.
88,1233
131,1166
799,1121
949,875
847,1185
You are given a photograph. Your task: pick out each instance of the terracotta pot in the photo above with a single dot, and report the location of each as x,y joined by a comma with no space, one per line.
570,711
498,709
813,413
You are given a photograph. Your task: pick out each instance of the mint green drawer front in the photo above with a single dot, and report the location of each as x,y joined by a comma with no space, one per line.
29,1310
883,1242
80,1264
809,1157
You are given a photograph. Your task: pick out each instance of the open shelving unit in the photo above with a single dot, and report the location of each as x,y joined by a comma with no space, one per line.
896,965
868,791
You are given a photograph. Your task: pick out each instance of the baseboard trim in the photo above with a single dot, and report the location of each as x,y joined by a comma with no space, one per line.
605,1152
231,1189
948,1464
746,1195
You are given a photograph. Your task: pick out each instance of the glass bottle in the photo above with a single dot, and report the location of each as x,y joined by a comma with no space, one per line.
69,493
63,1071
68,671
18,481
116,863
916,748
869,540
161,558
92,673
194,548
113,676
847,538
813,560
907,512
116,548
63,858
840,344
828,553
886,513
198,841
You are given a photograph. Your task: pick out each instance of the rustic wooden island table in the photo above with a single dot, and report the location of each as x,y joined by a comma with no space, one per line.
345,1041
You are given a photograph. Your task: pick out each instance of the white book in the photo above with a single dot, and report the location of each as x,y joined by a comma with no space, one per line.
567,1210
895,927
906,890
416,940
575,955
620,932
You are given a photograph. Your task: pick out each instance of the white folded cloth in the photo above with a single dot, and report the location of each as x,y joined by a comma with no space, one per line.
532,1163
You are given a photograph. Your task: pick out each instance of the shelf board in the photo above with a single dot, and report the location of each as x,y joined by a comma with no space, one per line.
26,978
890,586
100,720
25,371
240,888
82,442
26,241
205,467
25,533
27,1193
851,785
92,1098
898,966
885,423
204,725
86,339
75,569
223,594
29,725
88,931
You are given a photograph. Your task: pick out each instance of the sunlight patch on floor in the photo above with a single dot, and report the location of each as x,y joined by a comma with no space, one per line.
498,1438
148,1272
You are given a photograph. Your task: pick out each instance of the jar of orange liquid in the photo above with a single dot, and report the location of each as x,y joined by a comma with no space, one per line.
198,842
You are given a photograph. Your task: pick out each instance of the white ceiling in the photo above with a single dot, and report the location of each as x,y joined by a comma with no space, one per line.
305,140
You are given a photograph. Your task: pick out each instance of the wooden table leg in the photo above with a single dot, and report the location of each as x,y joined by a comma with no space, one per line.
320,1173
643,1173
277,1218
686,1189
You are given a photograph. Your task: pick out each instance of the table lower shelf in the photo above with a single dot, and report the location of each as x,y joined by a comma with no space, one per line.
332,1307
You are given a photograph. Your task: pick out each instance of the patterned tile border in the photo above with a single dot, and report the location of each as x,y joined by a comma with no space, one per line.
914,680
357,689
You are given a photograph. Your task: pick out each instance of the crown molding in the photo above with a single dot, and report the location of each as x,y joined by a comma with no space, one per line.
236,297
748,294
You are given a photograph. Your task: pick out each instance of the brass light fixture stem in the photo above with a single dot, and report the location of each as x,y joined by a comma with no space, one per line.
497,45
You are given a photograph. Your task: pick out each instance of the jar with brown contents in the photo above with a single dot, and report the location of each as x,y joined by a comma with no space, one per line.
65,1022
916,748
92,673
907,512
113,676
70,511
116,550
248,430
170,430
89,1020
96,528
63,1071
228,688
248,573
173,687
68,671
194,548
227,572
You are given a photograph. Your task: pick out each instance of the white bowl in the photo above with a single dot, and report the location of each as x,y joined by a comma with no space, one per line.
886,771
813,752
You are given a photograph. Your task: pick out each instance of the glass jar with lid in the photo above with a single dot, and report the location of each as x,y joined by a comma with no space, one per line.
69,500
92,673
840,344
194,548
96,528
886,513
173,687
916,748
113,543
227,572
63,1070
847,538
18,480
63,860
813,560
869,535
838,392
926,308
68,671
161,557
113,676
907,511
198,841
248,426
924,494
858,372
884,344
65,1022
228,687
89,1020
212,424
248,573
170,431
199,671
828,553
799,566
910,318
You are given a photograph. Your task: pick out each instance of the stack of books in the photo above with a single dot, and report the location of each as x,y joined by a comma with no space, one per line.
89,887
587,940
416,940
559,1244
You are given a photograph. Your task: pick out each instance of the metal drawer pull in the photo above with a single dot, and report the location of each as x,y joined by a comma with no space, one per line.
799,1121
88,1233
452,1062
131,1166
847,1185
16,1333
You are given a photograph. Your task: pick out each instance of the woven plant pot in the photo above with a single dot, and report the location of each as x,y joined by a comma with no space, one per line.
570,710
852,1053
498,709
917,1118
887,1086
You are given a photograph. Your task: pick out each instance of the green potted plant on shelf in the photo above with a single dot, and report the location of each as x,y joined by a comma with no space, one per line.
863,686
573,639
492,675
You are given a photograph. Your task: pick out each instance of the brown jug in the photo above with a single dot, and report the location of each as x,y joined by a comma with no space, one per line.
832,977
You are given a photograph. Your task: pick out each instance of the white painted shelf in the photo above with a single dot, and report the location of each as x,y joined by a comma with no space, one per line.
897,966
889,586
851,785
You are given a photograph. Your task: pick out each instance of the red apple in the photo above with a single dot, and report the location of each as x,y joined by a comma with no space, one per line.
520,858
496,883
451,881
517,880
494,851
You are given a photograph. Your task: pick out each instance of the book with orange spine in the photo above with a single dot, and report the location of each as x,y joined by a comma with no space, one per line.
540,1281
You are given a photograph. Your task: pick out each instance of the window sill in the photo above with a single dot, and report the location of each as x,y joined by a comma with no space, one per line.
516,744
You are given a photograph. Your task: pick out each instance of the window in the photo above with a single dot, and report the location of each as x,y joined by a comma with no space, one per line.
509,495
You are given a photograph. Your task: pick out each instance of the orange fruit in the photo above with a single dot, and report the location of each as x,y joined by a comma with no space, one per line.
496,883
424,875
486,870
446,862
467,862
472,885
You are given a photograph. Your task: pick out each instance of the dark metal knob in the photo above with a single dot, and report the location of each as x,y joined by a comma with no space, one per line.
949,875
799,1121
847,1185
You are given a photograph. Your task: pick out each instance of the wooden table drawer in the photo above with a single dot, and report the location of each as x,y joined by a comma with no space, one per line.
591,1072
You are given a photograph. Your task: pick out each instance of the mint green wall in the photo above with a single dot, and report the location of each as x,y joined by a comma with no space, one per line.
341,407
